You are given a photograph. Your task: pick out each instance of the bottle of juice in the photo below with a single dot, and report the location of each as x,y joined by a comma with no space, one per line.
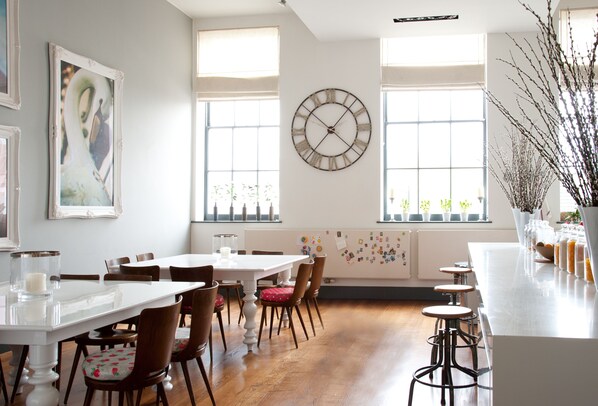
571,249
563,247
557,238
580,246
589,275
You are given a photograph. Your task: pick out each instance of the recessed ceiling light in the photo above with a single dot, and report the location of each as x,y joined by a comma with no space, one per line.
425,18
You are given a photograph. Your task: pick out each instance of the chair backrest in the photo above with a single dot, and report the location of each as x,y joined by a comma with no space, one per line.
146,256
241,252
203,274
262,252
151,270
272,278
202,314
113,265
80,277
303,275
123,277
316,277
155,338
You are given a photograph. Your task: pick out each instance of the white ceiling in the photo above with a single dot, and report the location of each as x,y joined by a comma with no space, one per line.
337,20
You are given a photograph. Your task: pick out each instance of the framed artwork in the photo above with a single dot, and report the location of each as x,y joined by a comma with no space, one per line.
9,188
85,137
9,54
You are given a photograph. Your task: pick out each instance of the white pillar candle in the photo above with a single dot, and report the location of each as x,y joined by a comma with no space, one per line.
225,252
35,282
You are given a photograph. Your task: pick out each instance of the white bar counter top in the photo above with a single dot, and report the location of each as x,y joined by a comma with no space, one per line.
540,328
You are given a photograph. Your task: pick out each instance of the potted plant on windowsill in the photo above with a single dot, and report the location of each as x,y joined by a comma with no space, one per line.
218,195
446,206
465,205
424,205
405,209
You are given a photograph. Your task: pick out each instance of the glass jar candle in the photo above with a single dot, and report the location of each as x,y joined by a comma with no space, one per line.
34,274
225,245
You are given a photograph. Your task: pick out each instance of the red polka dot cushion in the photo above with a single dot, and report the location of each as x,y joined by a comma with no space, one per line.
219,303
276,294
181,339
109,365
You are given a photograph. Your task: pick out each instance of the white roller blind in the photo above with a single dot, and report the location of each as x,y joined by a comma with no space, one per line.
583,29
445,61
237,64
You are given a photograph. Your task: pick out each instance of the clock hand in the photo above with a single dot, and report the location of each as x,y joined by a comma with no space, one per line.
314,115
343,115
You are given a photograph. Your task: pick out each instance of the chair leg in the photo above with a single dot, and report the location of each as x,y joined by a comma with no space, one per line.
219,316
272,321
290,313
318,311
211,347
228,303
262,320
76,358
188,381
88,396
205,379
3,383
301,320
311,320
162,393
24,353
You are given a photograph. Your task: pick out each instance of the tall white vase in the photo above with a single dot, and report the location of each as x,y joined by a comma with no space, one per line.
589,215
518,226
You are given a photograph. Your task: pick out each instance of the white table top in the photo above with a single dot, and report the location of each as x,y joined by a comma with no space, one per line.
522,297
79,306
241,267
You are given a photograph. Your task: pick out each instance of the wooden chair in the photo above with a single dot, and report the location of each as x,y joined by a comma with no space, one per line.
150,358
108,336
190,343
312,291
287,299
151,270
113,265
268,281
145,256
121,277
203,274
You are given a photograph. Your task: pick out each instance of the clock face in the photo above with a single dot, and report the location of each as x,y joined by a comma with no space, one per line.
331,129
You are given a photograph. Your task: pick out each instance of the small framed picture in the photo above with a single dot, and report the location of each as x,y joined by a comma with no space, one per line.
9,188
9,54
85,137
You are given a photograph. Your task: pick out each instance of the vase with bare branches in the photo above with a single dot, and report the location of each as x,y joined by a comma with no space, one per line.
557,111
523,175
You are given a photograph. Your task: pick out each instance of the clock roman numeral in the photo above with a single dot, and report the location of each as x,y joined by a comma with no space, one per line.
347,161
364,127
315,160
330,96
303,147
299,115
359,112
298,131
314,98
362,145
332,166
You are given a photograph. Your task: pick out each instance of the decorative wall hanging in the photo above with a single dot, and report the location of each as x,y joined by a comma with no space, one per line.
9,54
85,137
9,188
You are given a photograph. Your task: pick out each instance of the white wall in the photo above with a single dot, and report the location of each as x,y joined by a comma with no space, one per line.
149,40
349,198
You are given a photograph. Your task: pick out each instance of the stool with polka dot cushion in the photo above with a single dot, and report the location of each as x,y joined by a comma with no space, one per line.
287,298
124,370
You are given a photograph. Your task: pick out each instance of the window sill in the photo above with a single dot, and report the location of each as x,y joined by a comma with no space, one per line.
237,221
435,222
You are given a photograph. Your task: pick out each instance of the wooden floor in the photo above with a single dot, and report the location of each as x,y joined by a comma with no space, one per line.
365,356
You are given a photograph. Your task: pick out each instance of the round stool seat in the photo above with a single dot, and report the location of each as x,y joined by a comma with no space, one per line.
447,312
455,270
454,288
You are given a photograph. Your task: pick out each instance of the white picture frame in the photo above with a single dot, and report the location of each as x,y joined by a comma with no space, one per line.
85,137
9,188
10,94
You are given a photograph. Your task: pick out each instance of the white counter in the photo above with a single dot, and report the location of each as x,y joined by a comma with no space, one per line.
540,326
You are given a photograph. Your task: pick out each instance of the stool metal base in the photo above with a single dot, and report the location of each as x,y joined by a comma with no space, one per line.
446,342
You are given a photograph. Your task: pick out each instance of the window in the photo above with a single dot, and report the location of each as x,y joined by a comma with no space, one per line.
434,124
435,147
238,113
241,157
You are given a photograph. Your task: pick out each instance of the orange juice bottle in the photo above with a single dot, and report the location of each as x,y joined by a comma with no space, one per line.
571,253
589,275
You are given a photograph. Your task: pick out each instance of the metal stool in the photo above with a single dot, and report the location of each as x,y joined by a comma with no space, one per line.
446,341
456,293
459,273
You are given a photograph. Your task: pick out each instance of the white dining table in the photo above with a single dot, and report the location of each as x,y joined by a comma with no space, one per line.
74,308
246,268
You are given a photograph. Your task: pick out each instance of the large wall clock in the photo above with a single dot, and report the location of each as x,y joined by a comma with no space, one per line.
331,129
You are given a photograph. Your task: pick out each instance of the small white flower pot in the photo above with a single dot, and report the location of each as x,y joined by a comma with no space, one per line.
464,216
426,216
405,216
446,216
